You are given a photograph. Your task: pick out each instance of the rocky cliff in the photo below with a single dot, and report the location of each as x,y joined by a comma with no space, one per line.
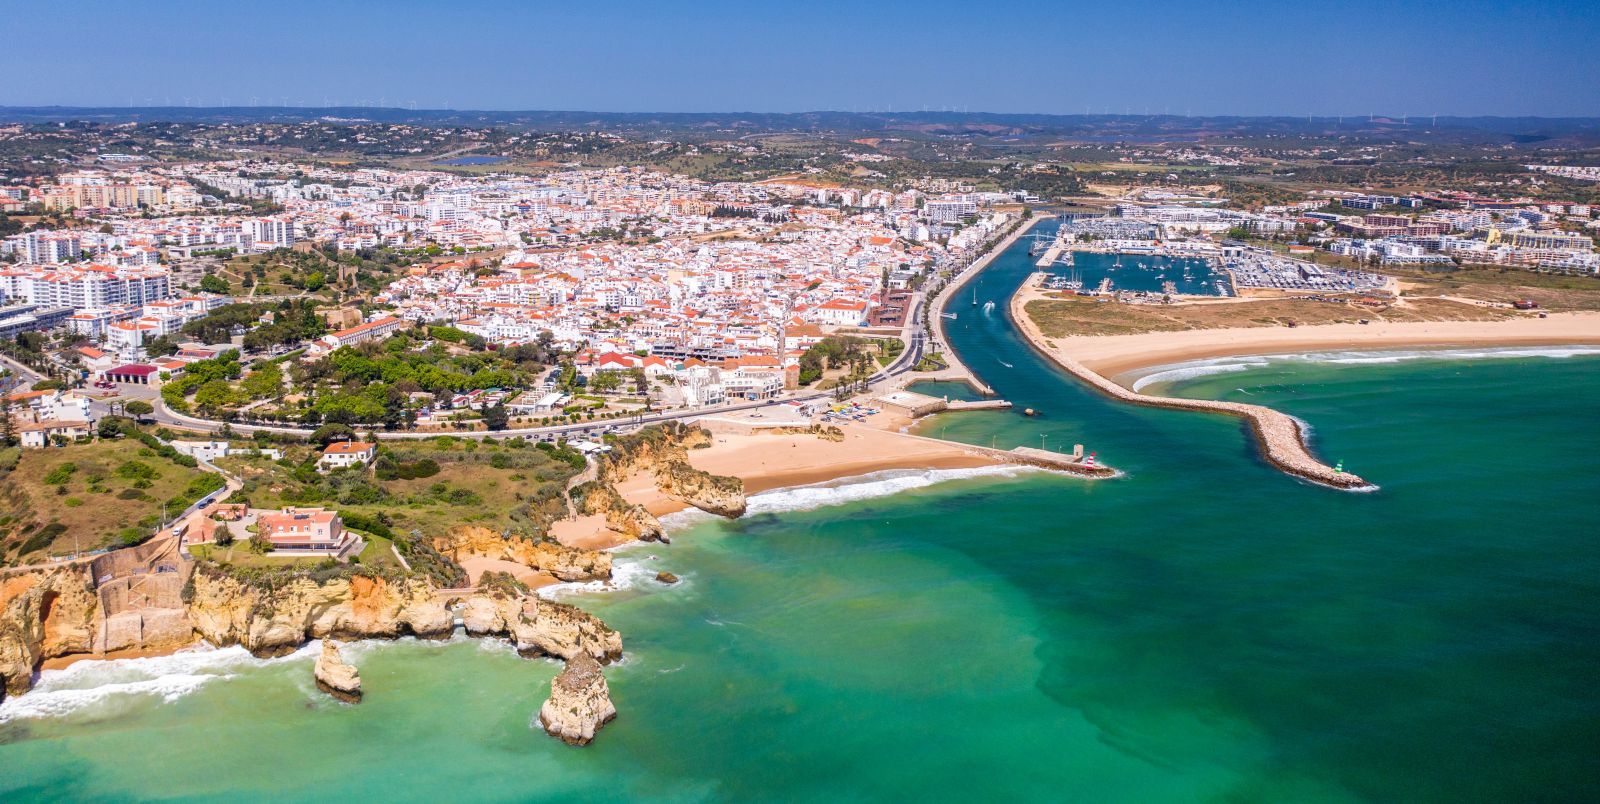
44,613
579,702
335,676
271,619
715,494
624,517
565,563
663,452
539,627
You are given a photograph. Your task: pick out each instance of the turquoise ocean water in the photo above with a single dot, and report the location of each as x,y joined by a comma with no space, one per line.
1201,629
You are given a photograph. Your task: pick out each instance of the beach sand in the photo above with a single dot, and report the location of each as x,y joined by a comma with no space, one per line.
69,660
476,566
766,462
1113,355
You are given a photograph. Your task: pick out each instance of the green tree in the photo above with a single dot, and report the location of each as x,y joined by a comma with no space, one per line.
605,381
212,283
496,417
265,382
215,395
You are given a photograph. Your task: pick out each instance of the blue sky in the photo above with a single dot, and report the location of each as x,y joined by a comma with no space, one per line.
1287,57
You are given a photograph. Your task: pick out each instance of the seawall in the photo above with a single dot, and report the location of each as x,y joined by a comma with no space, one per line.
1279,435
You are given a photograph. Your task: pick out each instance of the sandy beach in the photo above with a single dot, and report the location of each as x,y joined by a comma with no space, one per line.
769,461
1113,355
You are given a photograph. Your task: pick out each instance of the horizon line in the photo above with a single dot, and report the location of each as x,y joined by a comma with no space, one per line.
1309,117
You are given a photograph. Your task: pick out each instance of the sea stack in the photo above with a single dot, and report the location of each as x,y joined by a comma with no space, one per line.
579,703
335,676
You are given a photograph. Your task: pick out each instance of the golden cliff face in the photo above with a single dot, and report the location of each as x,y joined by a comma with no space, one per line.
44,613
622,516
565,563
539,627
714,494
664,454
276,620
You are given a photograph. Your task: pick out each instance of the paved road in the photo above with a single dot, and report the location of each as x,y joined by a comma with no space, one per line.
22,371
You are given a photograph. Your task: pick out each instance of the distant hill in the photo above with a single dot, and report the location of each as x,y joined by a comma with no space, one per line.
1580,131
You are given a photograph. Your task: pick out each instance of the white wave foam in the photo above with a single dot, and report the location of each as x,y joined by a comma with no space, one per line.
1199,368
630,574
1384,356
624,575
1223,365
103,686
868,486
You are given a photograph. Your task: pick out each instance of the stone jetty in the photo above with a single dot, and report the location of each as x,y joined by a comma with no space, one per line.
1280,436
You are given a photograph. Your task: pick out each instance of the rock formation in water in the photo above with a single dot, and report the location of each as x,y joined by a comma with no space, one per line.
58,611
335,676
565,563
579,702
666,577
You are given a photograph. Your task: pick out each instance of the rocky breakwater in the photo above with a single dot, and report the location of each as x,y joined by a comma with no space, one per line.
564,563
335,676
1281,437
44,613
579,702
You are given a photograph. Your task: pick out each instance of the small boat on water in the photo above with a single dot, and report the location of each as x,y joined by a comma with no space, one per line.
988,307
1004,363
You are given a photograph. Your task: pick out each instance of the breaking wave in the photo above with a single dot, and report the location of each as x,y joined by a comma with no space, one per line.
625,574
1202,368
868,486
1223,365
103,687
1399,356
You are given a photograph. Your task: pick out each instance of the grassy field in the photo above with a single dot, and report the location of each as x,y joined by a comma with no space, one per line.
1068,316
491,485
1505,285
113,489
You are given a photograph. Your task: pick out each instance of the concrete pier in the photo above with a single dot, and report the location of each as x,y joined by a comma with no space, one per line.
1033,456
1050,256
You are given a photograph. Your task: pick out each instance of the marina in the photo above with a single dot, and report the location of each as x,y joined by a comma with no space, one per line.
1172,276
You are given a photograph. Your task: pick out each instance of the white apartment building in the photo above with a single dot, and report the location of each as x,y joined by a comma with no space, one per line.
271,233
88,286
